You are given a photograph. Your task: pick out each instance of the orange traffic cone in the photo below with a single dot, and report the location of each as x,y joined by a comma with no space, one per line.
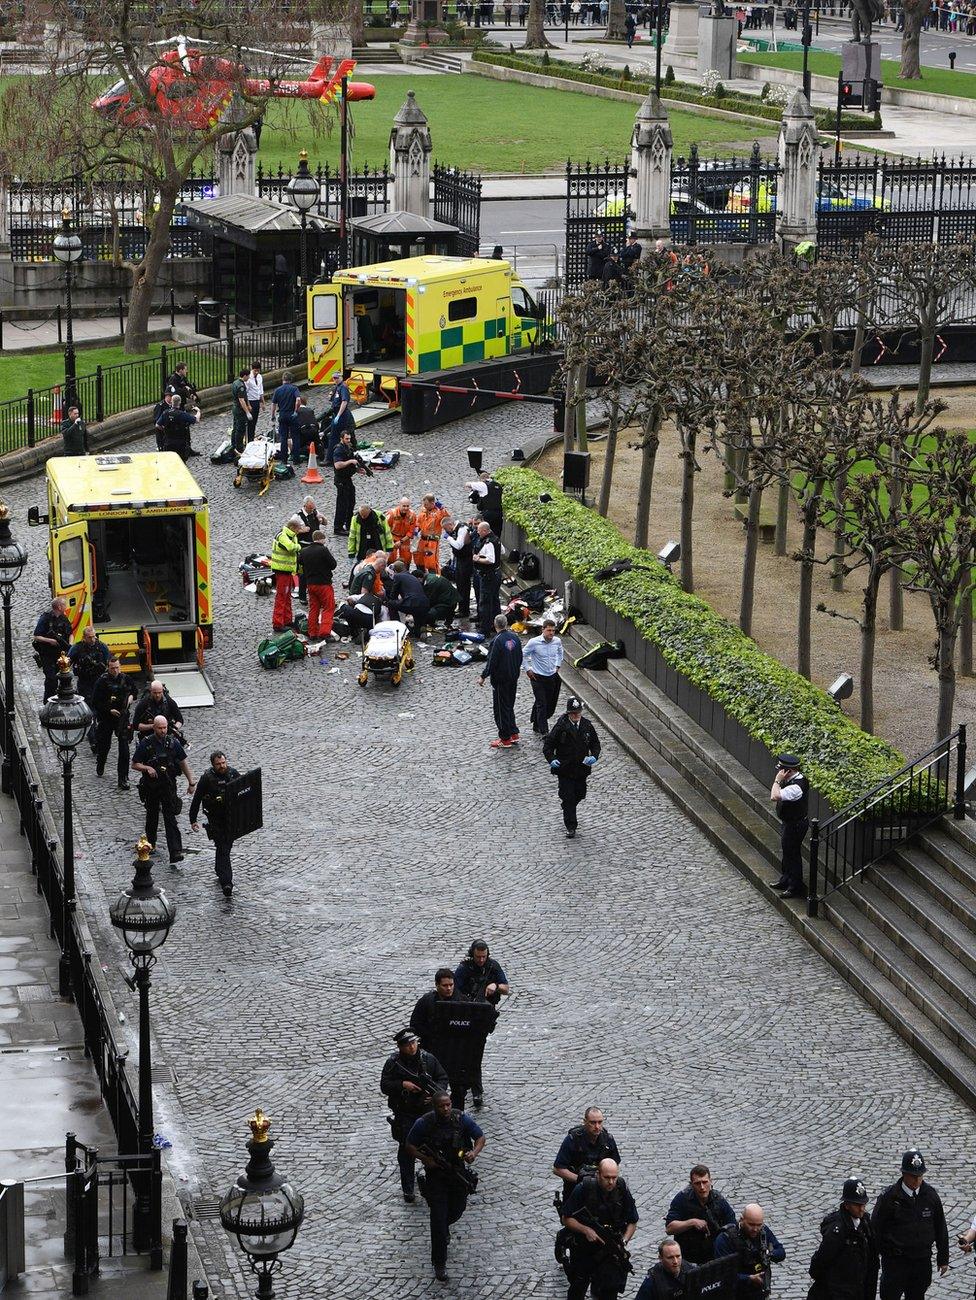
312,474
56,416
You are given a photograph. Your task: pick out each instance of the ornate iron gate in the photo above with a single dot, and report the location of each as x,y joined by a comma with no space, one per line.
457,201
596,199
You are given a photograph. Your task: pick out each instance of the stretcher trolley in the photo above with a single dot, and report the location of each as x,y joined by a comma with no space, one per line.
387,653
256,463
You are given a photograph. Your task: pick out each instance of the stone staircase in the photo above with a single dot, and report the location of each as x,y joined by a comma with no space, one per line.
442,61
903,934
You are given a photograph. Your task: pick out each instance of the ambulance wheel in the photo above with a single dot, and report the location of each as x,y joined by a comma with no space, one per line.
363,678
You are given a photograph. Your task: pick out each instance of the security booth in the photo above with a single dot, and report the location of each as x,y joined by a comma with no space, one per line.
390,236
257,253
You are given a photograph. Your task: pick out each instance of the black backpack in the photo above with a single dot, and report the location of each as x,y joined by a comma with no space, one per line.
600,654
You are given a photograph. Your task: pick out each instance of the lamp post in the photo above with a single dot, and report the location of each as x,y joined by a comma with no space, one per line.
262,1209
303,191
659,32
67,249
66,719
144,916
806,37
13,557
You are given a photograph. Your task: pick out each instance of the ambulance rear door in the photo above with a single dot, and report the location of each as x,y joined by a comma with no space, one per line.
71,573
325,333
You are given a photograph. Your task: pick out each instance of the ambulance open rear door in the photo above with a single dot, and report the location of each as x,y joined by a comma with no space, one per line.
325,333
71,572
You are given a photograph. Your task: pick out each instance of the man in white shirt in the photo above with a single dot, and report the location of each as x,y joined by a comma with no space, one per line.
542,657
254,388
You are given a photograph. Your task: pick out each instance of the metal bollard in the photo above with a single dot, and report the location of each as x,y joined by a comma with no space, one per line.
200,1291
12,1249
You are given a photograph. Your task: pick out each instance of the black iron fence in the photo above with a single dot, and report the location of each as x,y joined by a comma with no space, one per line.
113,390
843,846
723,200
457,202
100,1218
368,190
109,214
899,200
596,201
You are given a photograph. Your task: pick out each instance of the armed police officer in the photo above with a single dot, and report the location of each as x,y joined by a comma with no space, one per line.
908,1221
668,1279
845,1264
446,1142
159,758
156,701
410,1080
696,1216
480,978
110,703
211,791
601,1214
756,1249
425,1021
583,1147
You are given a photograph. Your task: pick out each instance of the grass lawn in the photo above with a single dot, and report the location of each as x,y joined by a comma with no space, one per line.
938,81
485,126
20,371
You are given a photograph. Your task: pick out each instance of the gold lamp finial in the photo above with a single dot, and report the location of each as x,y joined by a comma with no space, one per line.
4,512
64,663
259,1124
303,156
143,849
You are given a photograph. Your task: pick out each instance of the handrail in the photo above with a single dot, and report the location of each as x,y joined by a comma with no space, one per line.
890,813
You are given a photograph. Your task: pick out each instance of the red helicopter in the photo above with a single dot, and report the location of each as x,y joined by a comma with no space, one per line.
195,88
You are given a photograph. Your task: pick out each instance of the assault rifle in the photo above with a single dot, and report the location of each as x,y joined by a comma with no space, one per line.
458,1169
612,1240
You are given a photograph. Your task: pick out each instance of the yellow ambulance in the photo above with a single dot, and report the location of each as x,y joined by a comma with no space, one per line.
129,550
380,323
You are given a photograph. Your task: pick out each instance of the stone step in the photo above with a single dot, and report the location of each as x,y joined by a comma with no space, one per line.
920,895
957,857
938,1051
938,984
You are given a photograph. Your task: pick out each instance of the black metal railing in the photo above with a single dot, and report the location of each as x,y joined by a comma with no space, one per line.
596,202
12,1260
177,1278
724,200
113,390
864,832
367,189
99,1197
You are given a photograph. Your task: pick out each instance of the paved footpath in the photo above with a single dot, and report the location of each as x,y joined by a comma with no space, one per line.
647,976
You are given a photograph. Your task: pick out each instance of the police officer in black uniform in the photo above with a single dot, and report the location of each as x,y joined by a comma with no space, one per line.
603,1201
52,639
696,1215
410,1080
845,1264
486,560
211,790
446,1142
110,704
756,1249
908,1221
791,794
460,539
571,749
583,1147
668,1279
480,978
159,757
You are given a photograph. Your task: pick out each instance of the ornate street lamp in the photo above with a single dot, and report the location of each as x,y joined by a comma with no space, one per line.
66,719
262,1209
13,557
303,191
143,915
67,249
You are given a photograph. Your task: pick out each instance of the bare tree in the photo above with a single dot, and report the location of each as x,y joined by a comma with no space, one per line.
913,13
151,138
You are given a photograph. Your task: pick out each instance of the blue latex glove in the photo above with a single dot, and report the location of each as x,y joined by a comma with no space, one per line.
589,760
554,765
334,425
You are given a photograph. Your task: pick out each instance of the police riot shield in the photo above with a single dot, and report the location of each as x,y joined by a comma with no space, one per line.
458,1033
714,1280
243,801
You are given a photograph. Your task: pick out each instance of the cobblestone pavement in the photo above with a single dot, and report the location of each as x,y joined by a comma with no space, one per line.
647,976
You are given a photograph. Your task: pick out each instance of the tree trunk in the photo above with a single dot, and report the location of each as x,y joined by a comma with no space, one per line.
146,273
914,11
782,516
896,597
357,24
966,625
616,18
649,446
603,504
808,551
688,473
860,328
869,632
926,353
947,674
840,541
748,594
535,34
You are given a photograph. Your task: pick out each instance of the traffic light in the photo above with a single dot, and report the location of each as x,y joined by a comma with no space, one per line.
872,96
850,94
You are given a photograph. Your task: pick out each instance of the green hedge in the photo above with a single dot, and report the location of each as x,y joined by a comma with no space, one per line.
775,705
750,105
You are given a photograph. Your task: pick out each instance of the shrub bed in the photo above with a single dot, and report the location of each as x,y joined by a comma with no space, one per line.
683,92
775,705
